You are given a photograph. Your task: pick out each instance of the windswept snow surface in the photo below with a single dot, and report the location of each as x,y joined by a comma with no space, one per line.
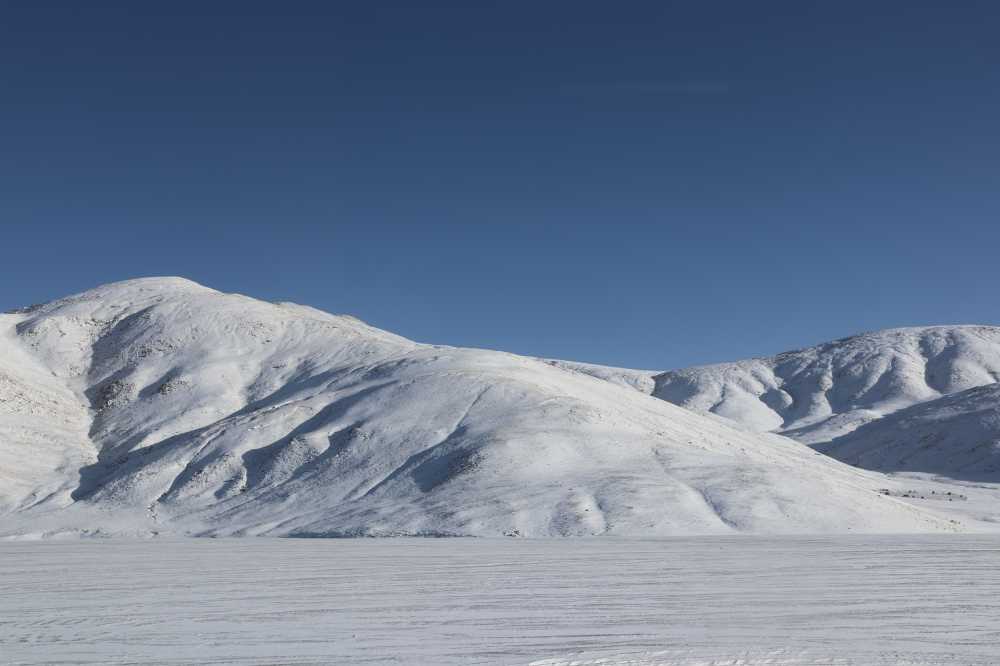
161,406
926,600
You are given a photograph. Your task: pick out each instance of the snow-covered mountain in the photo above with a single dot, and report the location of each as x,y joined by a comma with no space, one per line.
159,405
845,397
957,436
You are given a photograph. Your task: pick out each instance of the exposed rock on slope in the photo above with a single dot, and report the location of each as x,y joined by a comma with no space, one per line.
160,405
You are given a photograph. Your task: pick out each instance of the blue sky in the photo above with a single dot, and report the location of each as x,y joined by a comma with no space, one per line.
647,184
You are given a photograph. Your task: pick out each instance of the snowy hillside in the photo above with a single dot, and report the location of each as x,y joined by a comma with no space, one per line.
957,435
824,392
158,405
640,380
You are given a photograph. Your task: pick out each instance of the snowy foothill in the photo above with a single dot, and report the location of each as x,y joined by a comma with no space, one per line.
820,393
161,407
921,399
957,436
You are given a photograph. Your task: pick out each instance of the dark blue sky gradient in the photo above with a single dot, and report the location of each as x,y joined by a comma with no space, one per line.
649,184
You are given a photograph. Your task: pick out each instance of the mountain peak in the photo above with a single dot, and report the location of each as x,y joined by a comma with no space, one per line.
164,284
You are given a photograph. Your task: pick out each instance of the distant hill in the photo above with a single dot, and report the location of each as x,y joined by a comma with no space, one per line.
859,399
957,435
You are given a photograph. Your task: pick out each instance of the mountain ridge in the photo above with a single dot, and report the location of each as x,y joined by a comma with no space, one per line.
184,410
832,396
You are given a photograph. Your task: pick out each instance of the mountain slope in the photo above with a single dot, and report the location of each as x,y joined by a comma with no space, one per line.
815,395
43,426
957,436
159,405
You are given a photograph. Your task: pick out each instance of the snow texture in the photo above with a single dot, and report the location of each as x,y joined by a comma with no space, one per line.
733,600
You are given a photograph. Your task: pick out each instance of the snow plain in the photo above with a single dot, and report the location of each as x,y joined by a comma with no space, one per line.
733,600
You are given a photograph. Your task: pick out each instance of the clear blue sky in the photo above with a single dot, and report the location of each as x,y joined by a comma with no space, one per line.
648,184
